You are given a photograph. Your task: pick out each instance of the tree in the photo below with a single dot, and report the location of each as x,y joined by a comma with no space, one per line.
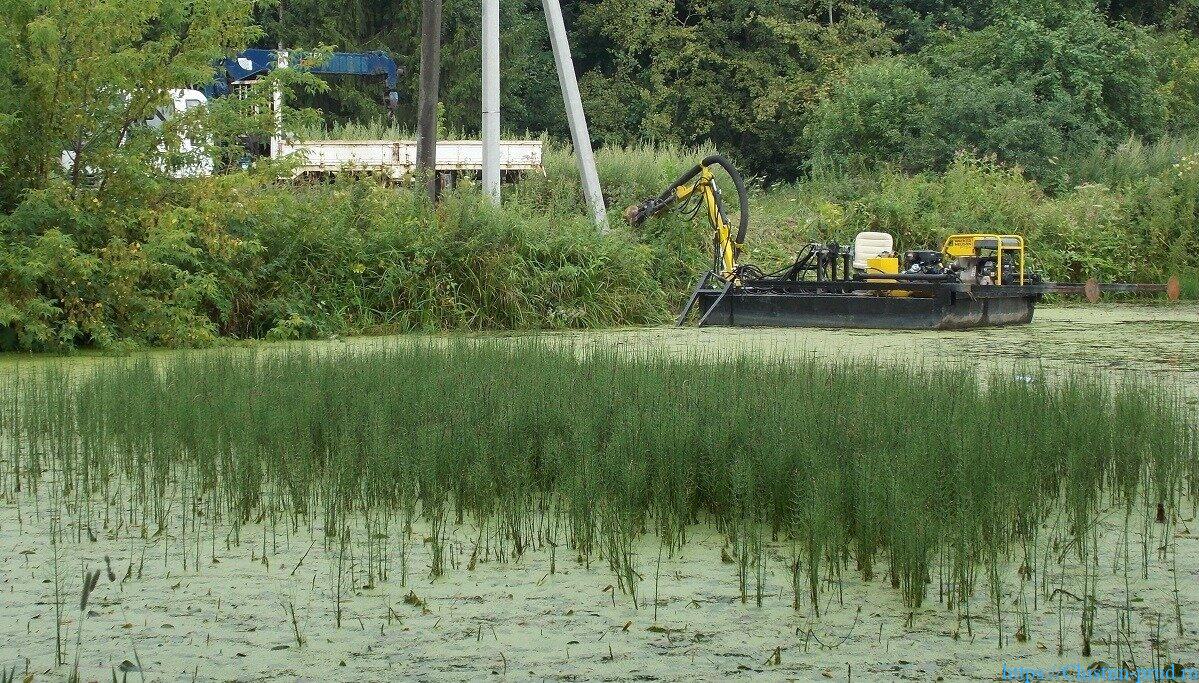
88,72
743,75
1030,88
1097,79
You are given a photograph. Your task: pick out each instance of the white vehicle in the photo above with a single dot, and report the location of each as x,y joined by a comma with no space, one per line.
182,100
393,159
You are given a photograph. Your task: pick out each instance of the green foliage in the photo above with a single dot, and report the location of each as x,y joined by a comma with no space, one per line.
239,256
1143,229
530,96
358,256
741,75
62,288
629,175
895,112
1096,79
1177,53
81,75
1031,82
878,113
1032,87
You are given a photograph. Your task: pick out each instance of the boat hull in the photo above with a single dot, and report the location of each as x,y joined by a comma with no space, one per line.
950,311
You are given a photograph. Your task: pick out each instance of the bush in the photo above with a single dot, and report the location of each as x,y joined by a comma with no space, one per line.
357,256
238,256
1030,88
62,288
1144,230
874,117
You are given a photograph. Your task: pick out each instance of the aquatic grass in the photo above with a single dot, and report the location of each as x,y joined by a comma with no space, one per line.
916,474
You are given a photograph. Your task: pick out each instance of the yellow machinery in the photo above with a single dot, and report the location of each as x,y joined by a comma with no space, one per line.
987,259
886,265
708,195
697,191
974,280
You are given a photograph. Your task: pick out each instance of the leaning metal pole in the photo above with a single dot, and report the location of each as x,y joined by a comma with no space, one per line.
491,100
426,116
574,113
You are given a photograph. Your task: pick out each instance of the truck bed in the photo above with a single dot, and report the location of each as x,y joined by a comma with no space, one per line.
397,158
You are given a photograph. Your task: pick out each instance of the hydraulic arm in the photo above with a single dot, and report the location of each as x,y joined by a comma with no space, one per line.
695,191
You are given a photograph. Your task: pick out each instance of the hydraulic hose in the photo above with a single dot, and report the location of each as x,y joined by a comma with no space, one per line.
907,277
638,214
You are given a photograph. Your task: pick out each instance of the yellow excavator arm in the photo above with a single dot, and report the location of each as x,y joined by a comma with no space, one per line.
697,189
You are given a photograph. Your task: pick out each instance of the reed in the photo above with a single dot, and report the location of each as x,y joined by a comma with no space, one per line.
903,472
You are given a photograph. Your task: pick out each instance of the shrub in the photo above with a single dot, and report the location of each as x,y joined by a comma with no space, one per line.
1029,88
1140,230
358,256
243,257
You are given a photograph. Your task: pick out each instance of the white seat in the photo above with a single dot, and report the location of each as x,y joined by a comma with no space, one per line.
868,245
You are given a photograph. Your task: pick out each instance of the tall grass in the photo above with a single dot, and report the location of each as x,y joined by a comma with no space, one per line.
386,129
353,257
1132,161
627,175
909,473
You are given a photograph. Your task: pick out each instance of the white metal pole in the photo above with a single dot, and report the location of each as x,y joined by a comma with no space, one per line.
491,99
277,105
574,113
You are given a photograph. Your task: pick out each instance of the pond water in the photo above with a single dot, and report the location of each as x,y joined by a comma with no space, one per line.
1158,342
247,610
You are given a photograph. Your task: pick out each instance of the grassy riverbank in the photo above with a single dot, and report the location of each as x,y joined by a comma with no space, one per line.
244,256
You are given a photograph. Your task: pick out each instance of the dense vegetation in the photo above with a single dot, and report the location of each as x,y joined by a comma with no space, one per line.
1072,123
785,84
946,477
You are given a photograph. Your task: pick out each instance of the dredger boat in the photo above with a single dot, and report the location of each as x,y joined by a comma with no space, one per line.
973,280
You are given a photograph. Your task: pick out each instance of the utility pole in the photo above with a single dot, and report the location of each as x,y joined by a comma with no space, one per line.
491,100
282,61
574,113
277,93
426,117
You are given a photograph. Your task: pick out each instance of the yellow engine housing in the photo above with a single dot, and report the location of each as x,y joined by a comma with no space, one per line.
970,246
887,265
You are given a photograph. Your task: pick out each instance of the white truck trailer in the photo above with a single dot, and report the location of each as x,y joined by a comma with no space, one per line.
395,159
391,159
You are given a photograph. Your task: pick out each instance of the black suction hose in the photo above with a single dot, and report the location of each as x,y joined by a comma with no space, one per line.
640,213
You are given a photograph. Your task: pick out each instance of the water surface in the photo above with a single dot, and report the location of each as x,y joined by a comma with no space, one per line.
1158,342
1152,341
